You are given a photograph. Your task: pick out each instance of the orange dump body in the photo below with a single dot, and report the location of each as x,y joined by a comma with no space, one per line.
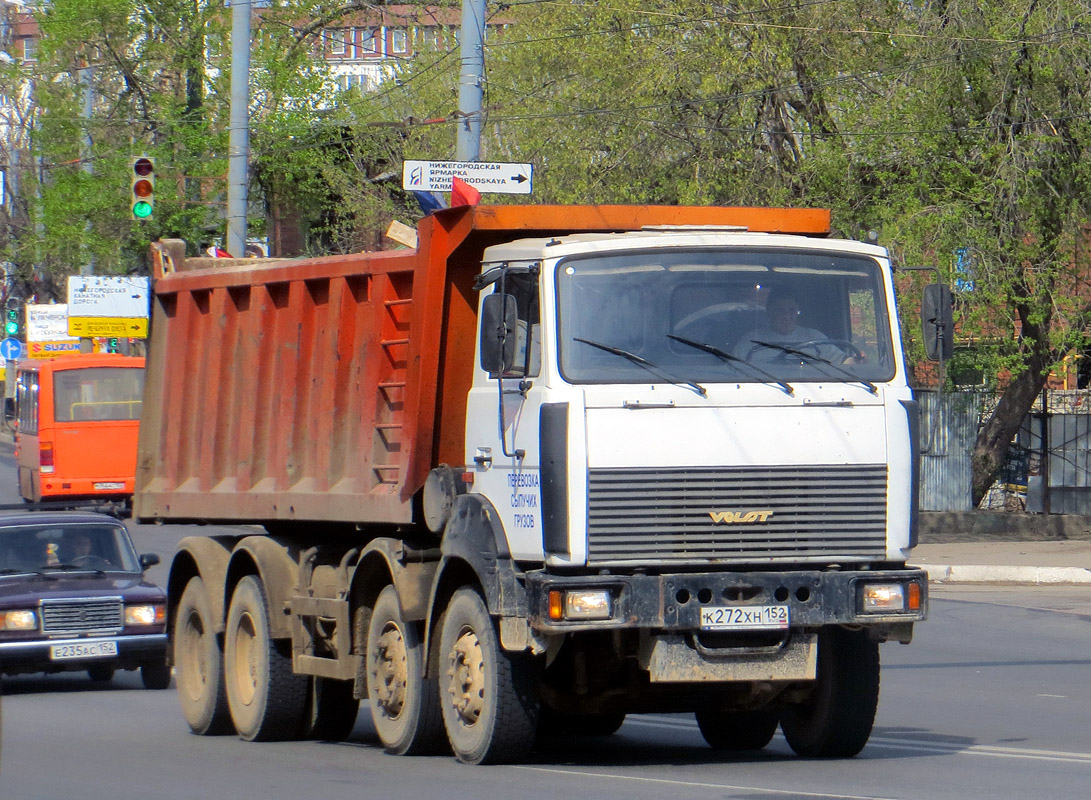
325,389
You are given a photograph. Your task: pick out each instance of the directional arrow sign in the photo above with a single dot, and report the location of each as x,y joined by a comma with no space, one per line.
485,176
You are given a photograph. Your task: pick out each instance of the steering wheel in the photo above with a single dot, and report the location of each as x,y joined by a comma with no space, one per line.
844,345
97,562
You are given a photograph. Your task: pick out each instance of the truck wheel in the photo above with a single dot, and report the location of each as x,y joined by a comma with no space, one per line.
199,663
155,676
266,698
404,706
556,723
489,697
836,722
101,673
331,710
739,731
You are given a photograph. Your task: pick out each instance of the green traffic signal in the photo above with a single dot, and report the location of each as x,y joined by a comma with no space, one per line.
11,328
142,209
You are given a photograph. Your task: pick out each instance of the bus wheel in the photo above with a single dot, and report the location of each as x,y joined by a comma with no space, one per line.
836,721
489,697
267,700
404,706
198,661
331,710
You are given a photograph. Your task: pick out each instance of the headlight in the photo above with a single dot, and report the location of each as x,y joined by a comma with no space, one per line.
879,597
21,620
580,604
145,615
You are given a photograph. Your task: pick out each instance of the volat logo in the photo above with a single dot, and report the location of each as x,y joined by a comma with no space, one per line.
729,517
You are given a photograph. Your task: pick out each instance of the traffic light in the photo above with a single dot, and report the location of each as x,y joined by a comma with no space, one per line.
143,181
13,319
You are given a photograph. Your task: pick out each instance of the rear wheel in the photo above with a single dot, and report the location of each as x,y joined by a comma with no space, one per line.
331,710
101,673
266,699
836,721
404,706
198,661
155,676
738,731
488,697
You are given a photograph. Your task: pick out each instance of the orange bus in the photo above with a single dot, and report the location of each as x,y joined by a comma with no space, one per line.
77,419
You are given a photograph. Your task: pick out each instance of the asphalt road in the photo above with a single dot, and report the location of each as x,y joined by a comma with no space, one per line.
990,701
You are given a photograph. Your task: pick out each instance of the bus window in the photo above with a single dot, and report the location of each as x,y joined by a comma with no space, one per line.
97,393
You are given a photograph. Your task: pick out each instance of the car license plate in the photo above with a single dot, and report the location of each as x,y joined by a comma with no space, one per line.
63,652
744,618
109,485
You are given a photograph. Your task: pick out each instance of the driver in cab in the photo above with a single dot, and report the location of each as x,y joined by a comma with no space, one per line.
781,327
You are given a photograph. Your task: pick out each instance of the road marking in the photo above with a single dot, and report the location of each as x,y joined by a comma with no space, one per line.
700,785
917,745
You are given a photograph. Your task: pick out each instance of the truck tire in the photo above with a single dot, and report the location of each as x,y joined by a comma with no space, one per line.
404,706
155,676
266,699
739,731
199,664
836,722
331,710
556,723
489,697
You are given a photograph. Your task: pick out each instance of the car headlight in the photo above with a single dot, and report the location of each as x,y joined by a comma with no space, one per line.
875,598
145,615
19,620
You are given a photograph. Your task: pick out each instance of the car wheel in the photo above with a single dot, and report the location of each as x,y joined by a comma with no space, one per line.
101,673
155,676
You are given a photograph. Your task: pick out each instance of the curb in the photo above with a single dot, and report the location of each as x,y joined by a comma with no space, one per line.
944,573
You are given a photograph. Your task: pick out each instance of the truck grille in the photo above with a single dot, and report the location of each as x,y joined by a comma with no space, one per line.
666,515
79,616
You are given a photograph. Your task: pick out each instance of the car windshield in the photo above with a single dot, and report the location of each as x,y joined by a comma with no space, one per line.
66,546
724,315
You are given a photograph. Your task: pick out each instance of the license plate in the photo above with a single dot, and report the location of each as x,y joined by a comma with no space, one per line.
63,652
109,485
744,618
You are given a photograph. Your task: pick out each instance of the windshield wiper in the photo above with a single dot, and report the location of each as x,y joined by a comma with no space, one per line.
648,365
69,568
841,371
725,356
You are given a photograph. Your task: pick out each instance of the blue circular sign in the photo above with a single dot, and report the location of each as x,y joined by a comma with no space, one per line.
11,349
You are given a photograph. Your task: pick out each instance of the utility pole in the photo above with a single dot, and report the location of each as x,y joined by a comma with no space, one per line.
471,78
238,150
86,78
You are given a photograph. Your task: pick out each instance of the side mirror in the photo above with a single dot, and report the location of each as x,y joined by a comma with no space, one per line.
148,560
499,314
937,321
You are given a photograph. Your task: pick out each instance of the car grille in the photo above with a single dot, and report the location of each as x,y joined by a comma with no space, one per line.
666,515
79,616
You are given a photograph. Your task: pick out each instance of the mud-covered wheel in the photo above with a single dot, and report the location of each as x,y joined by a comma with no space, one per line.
198,663
155,676
738,731
101,673
404,706
331,710
267,701
836,721
489,697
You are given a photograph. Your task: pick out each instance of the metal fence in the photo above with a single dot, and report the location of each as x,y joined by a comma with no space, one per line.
1053,480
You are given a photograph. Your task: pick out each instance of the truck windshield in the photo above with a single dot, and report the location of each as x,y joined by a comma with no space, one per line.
797,316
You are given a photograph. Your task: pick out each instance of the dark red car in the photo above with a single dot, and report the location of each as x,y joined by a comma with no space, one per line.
73,596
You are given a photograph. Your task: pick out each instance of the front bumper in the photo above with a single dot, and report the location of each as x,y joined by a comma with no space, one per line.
672,602
33,656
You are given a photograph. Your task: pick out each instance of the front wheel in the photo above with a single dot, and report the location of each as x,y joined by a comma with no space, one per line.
331,710
836,721
404,706
101,673
155,676
489,697
266,699
198,661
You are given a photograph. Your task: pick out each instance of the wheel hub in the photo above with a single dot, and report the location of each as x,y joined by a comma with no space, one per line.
466,677
390,671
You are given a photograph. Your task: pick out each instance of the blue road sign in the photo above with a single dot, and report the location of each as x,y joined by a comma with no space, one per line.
11,349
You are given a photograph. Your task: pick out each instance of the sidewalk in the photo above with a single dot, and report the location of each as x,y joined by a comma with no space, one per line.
1028,562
